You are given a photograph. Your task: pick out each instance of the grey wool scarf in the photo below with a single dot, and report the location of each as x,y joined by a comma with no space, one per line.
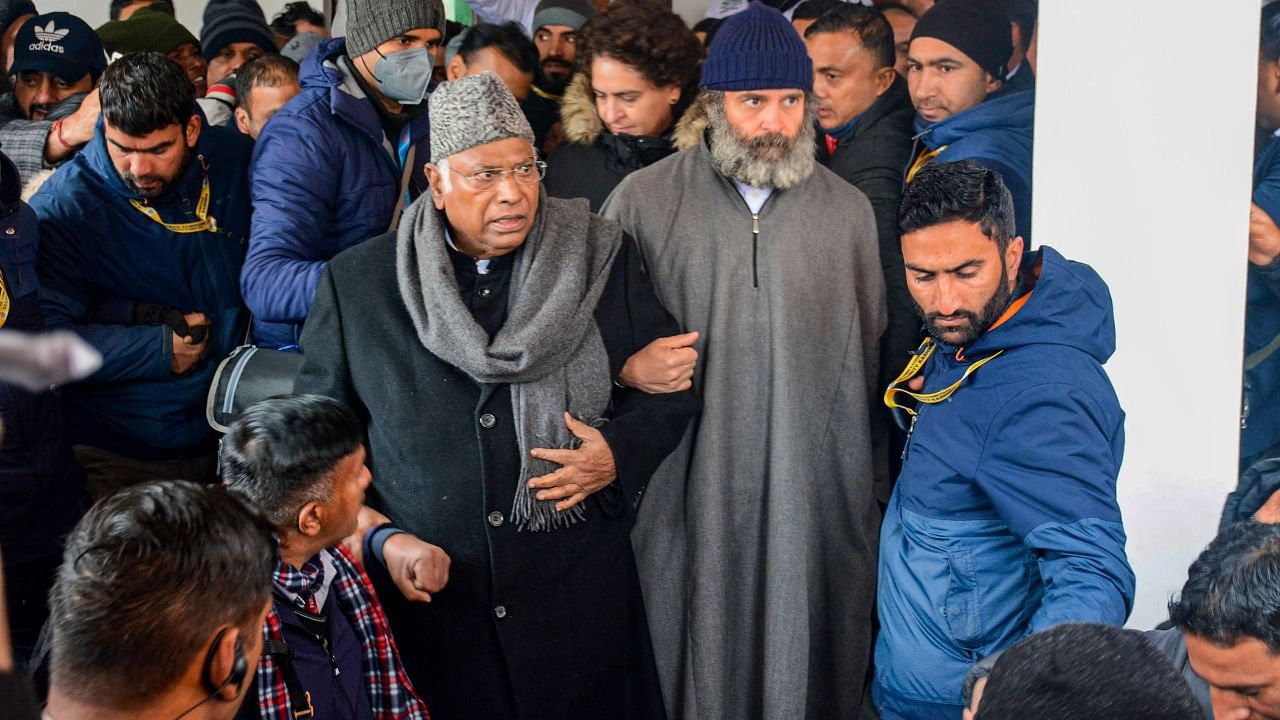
549,348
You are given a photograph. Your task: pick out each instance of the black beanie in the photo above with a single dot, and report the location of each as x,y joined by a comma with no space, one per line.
977,28
233,21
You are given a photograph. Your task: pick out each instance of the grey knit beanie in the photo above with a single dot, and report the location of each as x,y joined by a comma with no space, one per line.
473,110
373,22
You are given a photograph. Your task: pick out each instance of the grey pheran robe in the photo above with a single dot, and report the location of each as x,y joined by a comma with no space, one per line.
756,540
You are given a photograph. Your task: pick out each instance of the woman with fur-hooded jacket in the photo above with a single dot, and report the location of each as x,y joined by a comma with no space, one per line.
625,110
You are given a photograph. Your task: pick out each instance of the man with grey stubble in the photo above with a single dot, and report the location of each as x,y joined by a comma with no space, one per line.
757,541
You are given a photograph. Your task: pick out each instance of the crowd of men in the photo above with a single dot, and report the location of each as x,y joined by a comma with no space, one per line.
646,372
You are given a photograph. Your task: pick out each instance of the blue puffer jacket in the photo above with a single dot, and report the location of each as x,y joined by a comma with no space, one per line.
95,248
324,178
1260,421
997,134
1004,520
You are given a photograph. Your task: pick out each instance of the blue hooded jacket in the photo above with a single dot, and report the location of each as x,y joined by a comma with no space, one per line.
997,134
96,248
1260,415
324,178
1004,520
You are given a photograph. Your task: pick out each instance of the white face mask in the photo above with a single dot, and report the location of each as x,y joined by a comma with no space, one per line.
403,75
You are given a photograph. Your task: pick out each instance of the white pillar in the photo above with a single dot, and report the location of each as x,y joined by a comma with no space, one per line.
1143,157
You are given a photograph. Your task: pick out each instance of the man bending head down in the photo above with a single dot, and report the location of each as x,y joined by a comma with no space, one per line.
1228,614
149,122
158,607
1085,671
1017,340
300,459
961,253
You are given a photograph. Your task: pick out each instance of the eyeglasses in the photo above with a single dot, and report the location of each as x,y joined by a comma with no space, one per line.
487,179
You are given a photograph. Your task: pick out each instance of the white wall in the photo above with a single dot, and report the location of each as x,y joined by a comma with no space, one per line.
691,10
1143,155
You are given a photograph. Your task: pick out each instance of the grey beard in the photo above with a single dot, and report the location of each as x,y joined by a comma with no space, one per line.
770,161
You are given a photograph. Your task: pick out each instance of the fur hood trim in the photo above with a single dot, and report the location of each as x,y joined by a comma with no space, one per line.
582,125
35,183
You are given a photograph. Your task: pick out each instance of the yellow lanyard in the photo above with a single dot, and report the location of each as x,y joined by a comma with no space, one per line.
205,223
4,302
921,162
544,94
918,359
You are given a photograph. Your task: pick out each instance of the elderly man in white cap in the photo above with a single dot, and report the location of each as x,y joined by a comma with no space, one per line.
480,343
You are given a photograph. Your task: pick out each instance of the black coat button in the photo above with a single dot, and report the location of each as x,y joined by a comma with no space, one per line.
484,292
500,611
496,519
487,421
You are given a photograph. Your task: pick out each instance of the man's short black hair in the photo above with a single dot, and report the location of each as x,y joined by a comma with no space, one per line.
874,31
508,38
813,9
281,452
1233,588
118,6
1086,671
145,92
147,576
264,71
285,23
1269,47
964,190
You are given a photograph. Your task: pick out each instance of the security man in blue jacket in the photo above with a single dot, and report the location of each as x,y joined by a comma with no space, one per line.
142,237
1004,520
964,109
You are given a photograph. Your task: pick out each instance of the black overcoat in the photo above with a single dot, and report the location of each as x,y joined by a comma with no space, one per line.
592,171
874,159
532,625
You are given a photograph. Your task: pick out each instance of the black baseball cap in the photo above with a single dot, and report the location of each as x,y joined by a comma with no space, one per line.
60,44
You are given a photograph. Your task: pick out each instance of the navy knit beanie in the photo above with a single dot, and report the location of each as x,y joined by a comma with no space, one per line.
757,49
233,21
977,28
